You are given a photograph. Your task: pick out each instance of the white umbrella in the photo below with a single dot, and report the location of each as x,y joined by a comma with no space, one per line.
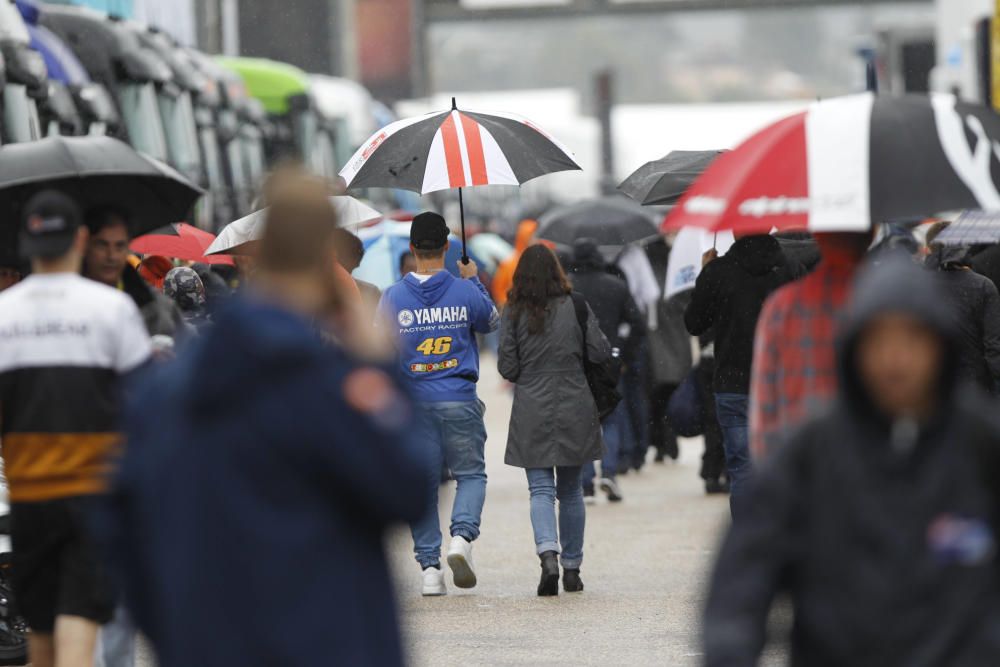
239,237
684,264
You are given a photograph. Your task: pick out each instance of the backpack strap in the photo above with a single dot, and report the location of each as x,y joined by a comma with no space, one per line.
580,307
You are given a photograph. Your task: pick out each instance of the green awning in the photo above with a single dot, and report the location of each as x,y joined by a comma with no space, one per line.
271,82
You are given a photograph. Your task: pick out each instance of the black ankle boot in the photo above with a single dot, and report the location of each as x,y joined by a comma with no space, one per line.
572,583
549,585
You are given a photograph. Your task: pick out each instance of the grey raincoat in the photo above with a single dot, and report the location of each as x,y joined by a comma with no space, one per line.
554,421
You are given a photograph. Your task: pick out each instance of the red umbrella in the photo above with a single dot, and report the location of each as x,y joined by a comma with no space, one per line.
186,242
850,162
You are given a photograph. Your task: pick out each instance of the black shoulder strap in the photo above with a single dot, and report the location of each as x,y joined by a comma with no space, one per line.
580,306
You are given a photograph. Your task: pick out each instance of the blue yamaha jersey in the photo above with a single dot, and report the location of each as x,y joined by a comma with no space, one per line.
437,321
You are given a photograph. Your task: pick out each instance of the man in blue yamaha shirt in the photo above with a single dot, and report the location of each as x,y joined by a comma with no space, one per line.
438,317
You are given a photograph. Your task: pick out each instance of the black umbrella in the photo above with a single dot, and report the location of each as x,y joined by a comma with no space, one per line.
95,171
664,181
611,221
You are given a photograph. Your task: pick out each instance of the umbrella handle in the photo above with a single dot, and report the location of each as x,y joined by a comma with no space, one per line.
461,211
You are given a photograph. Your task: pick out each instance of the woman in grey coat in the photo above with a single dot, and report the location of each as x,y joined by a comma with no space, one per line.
554,427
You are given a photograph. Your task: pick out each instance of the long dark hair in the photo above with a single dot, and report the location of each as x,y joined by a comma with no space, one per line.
538,279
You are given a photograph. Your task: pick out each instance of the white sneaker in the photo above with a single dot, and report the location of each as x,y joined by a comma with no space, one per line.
434,582
460,562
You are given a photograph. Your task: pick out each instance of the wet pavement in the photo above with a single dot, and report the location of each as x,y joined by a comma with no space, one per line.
645,565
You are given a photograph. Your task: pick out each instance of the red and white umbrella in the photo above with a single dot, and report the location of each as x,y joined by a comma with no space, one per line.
456,149
849,162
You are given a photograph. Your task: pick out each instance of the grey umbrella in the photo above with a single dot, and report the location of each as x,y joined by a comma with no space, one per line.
664,181
611,221
95,171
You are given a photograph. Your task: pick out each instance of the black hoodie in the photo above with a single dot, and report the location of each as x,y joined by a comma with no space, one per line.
729,295
883,534
978,314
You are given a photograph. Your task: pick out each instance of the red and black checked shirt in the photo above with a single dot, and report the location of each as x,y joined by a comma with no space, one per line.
794,366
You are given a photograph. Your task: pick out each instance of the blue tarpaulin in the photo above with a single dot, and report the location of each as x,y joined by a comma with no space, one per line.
123,8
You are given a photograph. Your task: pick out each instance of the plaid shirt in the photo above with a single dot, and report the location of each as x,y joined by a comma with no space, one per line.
794,364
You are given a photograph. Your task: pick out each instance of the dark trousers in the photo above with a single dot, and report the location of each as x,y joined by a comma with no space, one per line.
661,433
637,403
713,461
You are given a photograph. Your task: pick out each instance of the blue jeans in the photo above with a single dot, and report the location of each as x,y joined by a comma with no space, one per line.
731,411
615,427
455,435
545,485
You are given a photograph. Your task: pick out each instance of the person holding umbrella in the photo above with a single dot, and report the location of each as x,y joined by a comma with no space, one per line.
437,318
67,342
728,297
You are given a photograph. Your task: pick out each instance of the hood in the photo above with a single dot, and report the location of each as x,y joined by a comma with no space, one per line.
949,257
895,285
758,254
431,290
525,232
250,340
587,254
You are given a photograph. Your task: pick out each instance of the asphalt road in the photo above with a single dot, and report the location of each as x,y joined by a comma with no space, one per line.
645,566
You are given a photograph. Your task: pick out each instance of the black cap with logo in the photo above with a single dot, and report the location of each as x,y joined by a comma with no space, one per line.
429,231
51,220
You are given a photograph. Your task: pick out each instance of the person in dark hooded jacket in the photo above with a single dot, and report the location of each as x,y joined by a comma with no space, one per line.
622,324
249,531
977,303
729,295
879,519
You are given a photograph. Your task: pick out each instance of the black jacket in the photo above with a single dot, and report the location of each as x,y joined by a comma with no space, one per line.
608,296
729,295
882,534
977,303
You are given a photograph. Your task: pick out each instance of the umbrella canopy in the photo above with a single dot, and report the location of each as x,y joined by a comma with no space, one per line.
972,228
240,237
456,149
664,181
96,171
849,162
386,243
181,242
612,222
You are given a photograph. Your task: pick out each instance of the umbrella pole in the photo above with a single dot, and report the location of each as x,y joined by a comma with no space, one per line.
461,211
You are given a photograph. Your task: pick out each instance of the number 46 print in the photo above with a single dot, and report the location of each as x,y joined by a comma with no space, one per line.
435,346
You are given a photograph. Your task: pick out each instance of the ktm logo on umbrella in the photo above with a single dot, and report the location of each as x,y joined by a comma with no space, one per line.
374,144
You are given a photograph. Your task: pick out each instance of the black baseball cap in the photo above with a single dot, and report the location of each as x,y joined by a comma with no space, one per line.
429,231
51,220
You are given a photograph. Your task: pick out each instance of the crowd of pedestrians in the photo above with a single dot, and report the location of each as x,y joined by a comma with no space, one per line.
162,421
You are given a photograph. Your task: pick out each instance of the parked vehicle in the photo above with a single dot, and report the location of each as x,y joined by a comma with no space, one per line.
26,79
89,109
114,57
301,131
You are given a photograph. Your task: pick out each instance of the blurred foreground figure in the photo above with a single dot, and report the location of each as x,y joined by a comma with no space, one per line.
879,519
66,341
263,467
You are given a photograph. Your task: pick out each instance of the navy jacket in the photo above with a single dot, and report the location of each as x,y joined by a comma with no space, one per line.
262,468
